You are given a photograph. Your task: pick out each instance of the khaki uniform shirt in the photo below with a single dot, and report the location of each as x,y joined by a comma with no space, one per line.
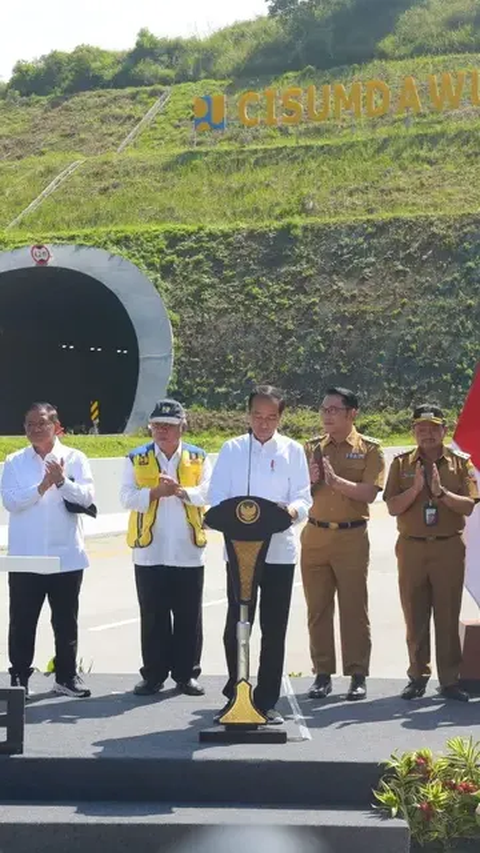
457,475
358,459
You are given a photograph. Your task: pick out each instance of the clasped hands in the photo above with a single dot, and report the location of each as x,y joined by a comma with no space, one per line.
419,480
54,475
167,488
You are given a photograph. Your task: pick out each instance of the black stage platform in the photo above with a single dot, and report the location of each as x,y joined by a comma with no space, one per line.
116,748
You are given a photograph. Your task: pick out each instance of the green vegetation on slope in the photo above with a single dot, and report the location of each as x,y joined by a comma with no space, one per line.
397,174
88,123
391,308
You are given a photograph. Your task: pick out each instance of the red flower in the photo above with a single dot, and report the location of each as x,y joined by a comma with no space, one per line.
427,810
467,788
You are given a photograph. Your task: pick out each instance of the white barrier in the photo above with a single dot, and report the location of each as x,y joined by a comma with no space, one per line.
37,565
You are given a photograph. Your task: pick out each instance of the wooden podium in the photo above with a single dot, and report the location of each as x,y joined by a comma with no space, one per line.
248,524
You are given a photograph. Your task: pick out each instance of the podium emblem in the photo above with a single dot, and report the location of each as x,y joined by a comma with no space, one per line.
248,512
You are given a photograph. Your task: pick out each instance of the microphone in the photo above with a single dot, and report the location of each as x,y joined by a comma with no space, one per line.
250,433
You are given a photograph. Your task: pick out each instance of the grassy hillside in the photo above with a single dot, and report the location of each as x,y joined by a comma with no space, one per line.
397,174
331,171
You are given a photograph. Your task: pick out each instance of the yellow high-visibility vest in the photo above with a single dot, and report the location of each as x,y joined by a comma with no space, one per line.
147,476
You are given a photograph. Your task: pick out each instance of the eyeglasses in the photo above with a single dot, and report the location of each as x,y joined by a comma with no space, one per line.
332,410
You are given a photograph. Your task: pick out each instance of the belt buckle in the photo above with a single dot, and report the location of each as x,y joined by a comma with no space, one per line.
334,525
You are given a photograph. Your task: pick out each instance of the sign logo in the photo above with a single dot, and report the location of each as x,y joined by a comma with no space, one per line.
41,255
210,112
248,512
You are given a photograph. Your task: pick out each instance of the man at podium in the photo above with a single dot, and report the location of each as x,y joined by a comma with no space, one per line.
265,464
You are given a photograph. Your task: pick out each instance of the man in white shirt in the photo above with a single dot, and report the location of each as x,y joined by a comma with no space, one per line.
36,482
268,465
165,485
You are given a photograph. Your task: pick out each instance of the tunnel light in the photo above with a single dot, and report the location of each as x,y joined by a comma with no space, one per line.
119,351
99,349
92,349
64,346
125,351
71,346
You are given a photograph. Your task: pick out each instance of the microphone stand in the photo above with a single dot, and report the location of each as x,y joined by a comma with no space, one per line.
243,625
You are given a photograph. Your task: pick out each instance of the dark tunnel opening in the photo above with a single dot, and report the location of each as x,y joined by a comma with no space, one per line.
67,339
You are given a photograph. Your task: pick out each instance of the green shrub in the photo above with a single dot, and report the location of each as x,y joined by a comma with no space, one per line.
437,796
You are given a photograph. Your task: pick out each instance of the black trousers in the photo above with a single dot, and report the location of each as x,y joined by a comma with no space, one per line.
275,587
27,595
170,600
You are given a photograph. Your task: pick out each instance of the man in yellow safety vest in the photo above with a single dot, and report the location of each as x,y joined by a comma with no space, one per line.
164,486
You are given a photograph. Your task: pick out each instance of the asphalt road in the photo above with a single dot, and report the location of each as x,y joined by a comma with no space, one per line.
109,629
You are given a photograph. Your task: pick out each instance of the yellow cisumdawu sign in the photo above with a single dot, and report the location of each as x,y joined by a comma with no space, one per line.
372,99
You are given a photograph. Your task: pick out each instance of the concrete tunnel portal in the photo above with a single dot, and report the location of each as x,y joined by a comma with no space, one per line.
86,325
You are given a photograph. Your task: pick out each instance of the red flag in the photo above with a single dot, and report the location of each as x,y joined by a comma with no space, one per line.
467,433
467,438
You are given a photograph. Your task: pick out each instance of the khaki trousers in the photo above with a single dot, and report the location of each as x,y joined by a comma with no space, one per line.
336,562
431,576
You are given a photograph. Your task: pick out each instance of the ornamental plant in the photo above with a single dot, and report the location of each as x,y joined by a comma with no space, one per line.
438,797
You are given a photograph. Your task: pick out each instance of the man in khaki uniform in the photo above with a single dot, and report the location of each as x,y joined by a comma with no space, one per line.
431,489
347,472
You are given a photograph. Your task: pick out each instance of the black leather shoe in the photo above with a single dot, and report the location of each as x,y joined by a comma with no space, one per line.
357,689
147,688
191,688
20,681
453,691
415,689
321,687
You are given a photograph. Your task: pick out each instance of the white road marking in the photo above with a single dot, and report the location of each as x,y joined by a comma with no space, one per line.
111,625
297,714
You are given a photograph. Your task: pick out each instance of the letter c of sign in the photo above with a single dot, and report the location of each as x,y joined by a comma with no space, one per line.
245,100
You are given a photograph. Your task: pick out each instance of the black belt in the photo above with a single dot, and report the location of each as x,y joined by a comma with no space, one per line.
337,525
430,538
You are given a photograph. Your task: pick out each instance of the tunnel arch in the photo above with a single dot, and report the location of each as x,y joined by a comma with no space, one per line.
87,324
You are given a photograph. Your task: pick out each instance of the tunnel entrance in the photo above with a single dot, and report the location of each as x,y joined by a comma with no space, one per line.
65,338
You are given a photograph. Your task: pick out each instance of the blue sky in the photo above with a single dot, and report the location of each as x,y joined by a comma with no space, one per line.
30,28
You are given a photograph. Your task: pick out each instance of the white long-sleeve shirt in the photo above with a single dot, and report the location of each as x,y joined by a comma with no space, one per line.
172,543
279,472
40,525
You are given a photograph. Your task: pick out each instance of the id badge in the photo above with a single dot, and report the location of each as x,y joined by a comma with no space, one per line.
430,515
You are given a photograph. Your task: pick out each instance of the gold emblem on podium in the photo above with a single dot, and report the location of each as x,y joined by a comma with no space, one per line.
248,512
